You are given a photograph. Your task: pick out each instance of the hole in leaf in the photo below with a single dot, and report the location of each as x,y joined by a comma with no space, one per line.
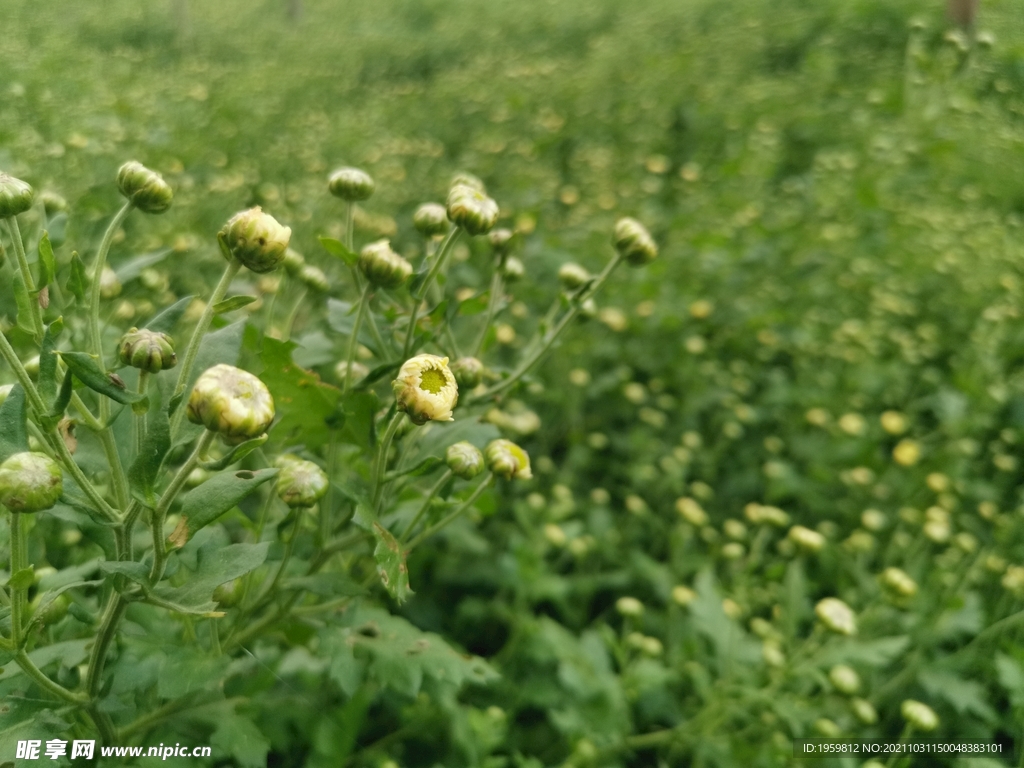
245,474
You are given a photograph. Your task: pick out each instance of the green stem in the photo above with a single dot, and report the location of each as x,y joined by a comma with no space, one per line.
327,505
113,456
30,669
497,286
18,564
353,340
112,614
19,249
160,513
417,297
286,330
349,224
95,338
197,336
289,546
426,505
448,519
140,418
532,359
380,465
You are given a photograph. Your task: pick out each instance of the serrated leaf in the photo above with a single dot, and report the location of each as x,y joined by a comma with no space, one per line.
216,565
241,739
306,403
88,371
77,281
13,426
48,361
47,267
165,321
204,504
339,249
232,303
964,696
237,453
391,565
872,653
187,669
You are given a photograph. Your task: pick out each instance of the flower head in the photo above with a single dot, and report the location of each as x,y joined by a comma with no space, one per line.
30,482
256,239
634,242
506,459
16,196
431,219
464,460
919,715
301,483
232,402
836,615
382,266
351,184
425,388
144,188
471,209
149,351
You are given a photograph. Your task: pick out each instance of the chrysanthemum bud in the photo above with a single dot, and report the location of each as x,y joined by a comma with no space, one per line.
898,582
836,616
149,351
431,219
144,188
229,594
466,179
844,678
468,371
301,483
629,606
919,715
806,539
464,460
471,209
634,242
293,262
506,459
30,482
53,203
382,266
110,285
501,240
16,196
683,595
512,269
351,184
256,239
314,278
232,402
357,372
572,276
425,388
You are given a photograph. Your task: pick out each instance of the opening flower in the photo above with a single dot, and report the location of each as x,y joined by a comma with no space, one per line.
426,389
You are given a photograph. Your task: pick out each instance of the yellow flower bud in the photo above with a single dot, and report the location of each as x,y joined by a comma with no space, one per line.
425,388
506,459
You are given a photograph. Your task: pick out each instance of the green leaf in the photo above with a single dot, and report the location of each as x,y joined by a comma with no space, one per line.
13,428
378,373
202,505
132,268
474,305
48,361
964,696
70,653
326,585
88,371
237,453
23,579
1011,677
391,565
136,571
305,402
165,321
47,267
184,670
339,249
238,737
429,464
216,565
60,403
232,303
143,472
341,318
358,409
24,303
77,280
221,346
872,653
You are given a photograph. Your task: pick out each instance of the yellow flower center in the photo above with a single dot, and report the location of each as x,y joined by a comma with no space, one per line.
432,380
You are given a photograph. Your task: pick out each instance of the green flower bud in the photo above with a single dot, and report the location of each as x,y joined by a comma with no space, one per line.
16,196
30,482
806,539
471,209
351,184
110,285
431,219
256,239
863,711
572,276
588,309
512,269
301,483
54,610
919,715
501,240
293,262
382,266
426,389
827,728
634,242
5,390
229,594
53,203
464,460
314,278
232,402
466,179
629,606
898,582
357,372
149,351
145,189
506,459
836,616
844,678
468,371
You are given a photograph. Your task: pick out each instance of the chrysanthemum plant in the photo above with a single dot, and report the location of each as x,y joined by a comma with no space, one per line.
211,509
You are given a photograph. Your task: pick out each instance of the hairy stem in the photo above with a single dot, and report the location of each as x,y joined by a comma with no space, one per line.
426,505
420,292
19,250
380,465
18,564
95,337
497,287
426,534
350,353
